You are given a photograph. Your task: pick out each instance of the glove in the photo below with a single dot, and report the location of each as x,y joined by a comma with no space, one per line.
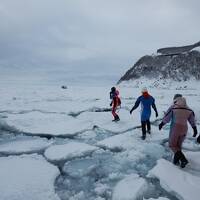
198,139
131,112
160,125
111,104
156,114
195,131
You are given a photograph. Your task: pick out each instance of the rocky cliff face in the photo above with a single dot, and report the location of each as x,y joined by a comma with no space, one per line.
179,67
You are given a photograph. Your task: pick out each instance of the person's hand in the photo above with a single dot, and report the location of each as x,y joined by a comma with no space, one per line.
156,114
198,139
194,131
131,112
160,125
111,104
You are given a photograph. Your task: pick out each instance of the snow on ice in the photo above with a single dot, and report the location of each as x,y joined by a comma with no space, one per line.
37,123
68,151
101,159
27,177
129,188
194,161
24,145
173,179
131,140
160,198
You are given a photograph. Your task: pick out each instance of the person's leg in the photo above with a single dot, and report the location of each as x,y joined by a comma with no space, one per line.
143,129
173,141
173,144
115,115
183,159
148,126
177,157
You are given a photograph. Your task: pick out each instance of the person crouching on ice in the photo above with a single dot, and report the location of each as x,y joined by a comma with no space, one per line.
147,101
179,114
114,95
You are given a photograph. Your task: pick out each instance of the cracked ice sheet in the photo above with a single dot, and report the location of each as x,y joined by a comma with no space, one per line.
68,151
129,188
191,144
178,181
133,149
26,145
104,120
50,98
129,140
194,161
160,198
27,177
53,124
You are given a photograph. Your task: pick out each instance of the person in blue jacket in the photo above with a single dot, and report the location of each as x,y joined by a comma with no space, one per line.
146,101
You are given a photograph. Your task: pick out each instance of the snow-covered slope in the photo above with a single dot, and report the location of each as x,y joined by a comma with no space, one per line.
179,67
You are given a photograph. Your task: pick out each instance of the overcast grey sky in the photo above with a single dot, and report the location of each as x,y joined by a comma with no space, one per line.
96,36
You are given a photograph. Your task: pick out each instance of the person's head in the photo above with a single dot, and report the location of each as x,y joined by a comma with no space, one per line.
113,89
176,96
112,92
181,101
145,92
144,89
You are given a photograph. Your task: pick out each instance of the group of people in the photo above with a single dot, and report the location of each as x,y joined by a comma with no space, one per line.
178,114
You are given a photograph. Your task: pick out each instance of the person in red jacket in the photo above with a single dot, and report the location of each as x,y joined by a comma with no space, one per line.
114,96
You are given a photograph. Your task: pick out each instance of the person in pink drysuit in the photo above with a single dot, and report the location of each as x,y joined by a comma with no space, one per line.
179,114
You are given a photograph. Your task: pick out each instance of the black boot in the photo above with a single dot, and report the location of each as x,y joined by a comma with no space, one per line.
183,160
177,157
116,118
143,130
143,137
148,127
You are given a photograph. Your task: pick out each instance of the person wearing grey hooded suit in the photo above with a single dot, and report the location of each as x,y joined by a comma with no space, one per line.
179,114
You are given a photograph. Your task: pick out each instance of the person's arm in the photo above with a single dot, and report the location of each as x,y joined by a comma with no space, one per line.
137,103
192,122
155,109
111,102
198,139
166,118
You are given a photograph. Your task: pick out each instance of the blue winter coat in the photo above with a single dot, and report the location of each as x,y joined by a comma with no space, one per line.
146,103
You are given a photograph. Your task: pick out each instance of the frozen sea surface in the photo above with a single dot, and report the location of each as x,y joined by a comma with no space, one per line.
27,177
62,144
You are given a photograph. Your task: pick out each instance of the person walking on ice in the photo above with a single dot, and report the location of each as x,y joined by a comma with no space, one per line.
115,103
146,101
179,114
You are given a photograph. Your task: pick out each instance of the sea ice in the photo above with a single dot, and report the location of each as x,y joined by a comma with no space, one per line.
68,151
129,188
26,145
53,124
175,180
27,177
81,167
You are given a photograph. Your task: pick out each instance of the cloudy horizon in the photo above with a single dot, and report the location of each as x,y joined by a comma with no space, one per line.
91,36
